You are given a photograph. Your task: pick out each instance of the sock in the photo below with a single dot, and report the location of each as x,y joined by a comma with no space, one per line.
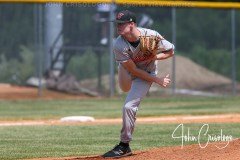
124,144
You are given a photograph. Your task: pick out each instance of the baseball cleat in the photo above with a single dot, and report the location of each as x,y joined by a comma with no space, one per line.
118,151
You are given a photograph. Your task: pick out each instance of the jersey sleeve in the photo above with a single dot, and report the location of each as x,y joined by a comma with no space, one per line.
164,45
121,54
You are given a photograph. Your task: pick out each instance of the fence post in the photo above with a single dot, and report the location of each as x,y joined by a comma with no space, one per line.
233,41
174,42
111,30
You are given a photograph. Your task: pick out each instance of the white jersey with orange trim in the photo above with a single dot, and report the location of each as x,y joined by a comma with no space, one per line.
124,51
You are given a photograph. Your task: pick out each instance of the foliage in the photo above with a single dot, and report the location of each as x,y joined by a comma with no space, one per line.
220,57
17,70
217,60
204,27
202,34
84,30
238,64
16,28
86,65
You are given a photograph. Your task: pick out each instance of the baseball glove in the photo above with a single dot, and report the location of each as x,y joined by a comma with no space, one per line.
149,44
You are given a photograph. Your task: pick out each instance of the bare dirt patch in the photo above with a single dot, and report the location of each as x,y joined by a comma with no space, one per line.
12,92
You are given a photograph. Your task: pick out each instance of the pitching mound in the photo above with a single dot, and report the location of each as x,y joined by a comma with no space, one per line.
189,152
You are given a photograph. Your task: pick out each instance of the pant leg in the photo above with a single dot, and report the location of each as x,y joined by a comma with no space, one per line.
138,90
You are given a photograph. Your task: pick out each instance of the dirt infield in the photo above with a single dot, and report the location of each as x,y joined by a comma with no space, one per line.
227,118
189,152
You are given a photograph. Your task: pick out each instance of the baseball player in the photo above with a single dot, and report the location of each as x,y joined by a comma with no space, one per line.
137,51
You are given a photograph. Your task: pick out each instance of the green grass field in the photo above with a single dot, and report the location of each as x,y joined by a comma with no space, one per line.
23,142
111,108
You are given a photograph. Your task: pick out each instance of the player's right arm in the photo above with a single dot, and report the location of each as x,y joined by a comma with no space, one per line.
124,58
135,71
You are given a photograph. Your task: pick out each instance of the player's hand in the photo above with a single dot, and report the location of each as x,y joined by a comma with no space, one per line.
164,81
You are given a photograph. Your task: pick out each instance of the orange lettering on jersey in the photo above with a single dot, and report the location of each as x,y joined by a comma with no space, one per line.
142,58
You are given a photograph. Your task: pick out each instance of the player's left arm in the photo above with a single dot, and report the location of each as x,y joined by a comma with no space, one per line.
165,50
164,55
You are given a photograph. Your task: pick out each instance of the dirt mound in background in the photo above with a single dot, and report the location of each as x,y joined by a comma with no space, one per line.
189,75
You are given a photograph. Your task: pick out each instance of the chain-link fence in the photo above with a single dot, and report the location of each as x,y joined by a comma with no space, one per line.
65,47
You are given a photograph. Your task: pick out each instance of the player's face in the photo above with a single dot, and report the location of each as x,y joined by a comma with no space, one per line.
123,28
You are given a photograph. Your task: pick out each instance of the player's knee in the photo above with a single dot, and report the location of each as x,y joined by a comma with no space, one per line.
127,107
125,88
132,105
130,111
125,85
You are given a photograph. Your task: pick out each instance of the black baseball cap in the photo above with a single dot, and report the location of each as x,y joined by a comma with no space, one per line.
125,16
